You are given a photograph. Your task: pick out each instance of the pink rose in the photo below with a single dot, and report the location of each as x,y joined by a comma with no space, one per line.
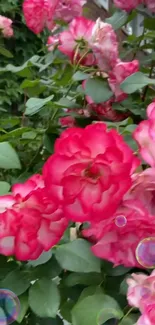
92,168
52,42
6,26
145,136
74,41
116,239
103,110
148,317
31,222
150,4
104,45
141,290
127,5
143,188
151,110
120,72
69,9
39,14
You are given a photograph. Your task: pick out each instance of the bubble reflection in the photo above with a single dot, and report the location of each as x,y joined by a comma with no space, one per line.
145,252
120,221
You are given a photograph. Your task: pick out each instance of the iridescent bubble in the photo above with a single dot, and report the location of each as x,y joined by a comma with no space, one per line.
145,253
145,292
10,307
120,221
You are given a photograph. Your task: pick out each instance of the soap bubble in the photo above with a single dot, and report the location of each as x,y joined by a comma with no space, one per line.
145,252
120,221
10,307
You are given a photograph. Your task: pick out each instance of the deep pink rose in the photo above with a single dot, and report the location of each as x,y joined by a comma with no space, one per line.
116,239
141,290
104,45
74,41
67,121
6,26
121,71
145,136
127,5
39,14
31,222
92,168
69,9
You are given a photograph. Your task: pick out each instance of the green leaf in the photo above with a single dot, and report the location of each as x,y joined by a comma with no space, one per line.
135,82
5,52
79,75
95,310
29,83
23,307
98,90
8,157
44,298
130,320
149,23
118,19
4,188
76,256
66,103
17,281
6,266
33,105
50,269
29,135
44,258
85,279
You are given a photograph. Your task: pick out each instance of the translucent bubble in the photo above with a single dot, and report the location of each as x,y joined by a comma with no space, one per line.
145,252
145,292
10,307
120,221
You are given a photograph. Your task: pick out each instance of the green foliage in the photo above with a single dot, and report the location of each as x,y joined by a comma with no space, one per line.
37,88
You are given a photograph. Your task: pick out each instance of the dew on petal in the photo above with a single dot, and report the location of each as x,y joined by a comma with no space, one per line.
120,221
145,292
145,252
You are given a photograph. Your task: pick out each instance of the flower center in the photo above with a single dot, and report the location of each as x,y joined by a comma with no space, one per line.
92,173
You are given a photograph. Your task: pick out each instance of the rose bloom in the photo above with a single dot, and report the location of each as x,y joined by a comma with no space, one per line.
144,135
67,121
141,290
52,42
143,188
150,4
117,238
39,14
6,26
68,9
104,45
103,110
148,317
30,221
127,5
74,41
121,71
91,169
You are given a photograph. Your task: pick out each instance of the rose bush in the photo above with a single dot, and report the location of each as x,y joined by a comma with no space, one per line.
77,168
